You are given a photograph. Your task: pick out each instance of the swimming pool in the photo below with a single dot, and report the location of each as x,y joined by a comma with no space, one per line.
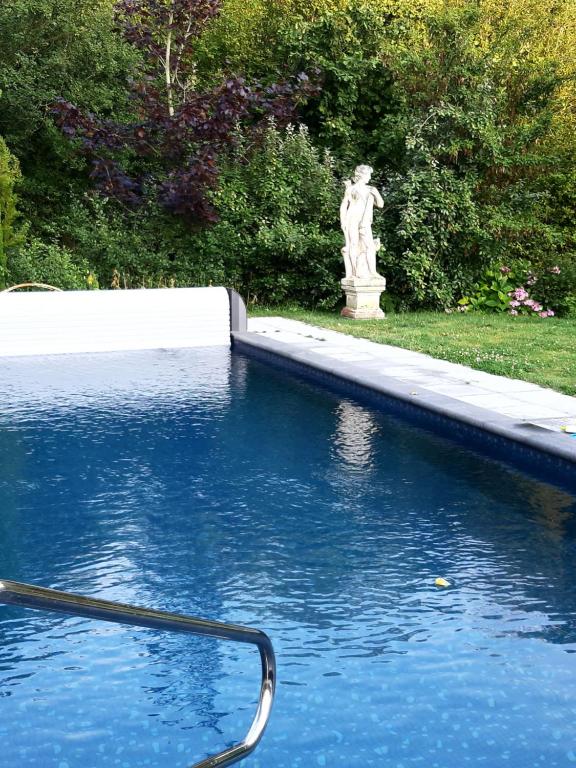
207,483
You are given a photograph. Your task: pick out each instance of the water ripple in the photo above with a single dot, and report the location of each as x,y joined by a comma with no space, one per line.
201,483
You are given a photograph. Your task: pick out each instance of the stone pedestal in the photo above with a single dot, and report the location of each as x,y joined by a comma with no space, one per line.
363,297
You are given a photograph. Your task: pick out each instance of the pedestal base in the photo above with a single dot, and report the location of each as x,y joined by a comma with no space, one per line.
363,297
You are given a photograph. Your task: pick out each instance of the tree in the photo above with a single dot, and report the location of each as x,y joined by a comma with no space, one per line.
469,191
163,32
48,49
342,39
170,151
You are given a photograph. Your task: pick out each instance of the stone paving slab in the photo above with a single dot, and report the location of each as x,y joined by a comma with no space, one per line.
514,405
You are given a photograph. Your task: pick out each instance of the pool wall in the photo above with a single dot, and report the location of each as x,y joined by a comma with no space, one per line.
546,454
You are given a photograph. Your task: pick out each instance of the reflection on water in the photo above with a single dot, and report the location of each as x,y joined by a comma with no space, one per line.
553,508
278,505
353,438
110,383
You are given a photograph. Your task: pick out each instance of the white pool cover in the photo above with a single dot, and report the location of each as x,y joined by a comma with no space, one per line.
42,323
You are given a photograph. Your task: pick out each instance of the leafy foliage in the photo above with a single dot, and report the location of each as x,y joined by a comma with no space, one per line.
146,248
556,286
163,32
493,293
170,152
39,262
277,235
341,41
11,235
469,189
454,104
48,49
516,290
465,110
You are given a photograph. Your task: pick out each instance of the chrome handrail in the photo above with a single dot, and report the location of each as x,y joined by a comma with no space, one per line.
76,605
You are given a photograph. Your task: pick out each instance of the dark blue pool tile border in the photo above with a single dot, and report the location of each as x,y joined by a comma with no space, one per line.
548,455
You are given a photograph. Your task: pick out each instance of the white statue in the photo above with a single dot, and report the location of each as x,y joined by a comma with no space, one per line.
356,219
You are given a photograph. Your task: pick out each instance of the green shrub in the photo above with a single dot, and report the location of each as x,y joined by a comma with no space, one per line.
470,190
11,235
38,262
147,248
556,281
431,224
570,305
278,238
520,289
52,49
492,293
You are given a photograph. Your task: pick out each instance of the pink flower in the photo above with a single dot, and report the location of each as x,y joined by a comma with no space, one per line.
520,294
530,303
550,313
554,270
513,312
505,270
543,314
514,303
537,307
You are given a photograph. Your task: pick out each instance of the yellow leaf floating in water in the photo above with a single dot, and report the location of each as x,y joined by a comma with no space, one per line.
440,582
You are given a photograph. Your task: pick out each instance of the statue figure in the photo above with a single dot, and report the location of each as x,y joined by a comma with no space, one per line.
356,219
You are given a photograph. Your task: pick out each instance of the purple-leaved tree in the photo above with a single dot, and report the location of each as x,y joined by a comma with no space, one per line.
171,149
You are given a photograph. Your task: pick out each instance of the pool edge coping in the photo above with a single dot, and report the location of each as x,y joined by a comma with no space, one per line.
506,427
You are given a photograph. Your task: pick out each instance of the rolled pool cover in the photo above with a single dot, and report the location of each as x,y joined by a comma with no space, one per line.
44,323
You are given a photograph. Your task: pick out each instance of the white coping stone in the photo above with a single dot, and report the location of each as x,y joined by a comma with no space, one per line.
489,381
496,394
45,323
537,412
546,397
455,389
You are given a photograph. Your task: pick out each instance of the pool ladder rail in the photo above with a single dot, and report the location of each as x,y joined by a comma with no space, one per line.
40,598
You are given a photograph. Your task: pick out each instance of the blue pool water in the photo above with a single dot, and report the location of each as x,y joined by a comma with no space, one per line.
208,484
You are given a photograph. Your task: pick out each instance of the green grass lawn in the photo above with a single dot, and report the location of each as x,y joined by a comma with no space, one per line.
539,350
